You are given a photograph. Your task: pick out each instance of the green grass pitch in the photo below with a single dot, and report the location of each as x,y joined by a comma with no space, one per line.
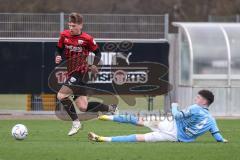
48,140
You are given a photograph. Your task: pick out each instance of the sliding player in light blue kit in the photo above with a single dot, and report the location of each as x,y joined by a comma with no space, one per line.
186,126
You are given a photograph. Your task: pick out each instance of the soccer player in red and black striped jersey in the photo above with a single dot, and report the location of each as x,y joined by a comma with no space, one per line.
75,45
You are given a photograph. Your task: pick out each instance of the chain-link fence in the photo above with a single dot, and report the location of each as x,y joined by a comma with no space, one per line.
116,26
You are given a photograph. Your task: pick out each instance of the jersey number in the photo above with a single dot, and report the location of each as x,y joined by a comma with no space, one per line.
202,123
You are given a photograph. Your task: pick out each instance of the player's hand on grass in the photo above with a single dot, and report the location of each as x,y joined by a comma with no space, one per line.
225,141
94,71
58,59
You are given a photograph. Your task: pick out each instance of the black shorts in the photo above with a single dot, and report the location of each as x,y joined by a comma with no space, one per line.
78,83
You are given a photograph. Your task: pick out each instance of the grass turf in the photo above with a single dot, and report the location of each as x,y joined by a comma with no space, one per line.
48,140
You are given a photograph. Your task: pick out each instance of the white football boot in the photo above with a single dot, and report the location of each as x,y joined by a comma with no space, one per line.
75,128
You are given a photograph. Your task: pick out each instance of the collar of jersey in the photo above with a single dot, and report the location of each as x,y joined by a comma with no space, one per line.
77,34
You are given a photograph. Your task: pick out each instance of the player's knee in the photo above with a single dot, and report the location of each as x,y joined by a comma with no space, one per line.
61,96
140,122
82,105
140,137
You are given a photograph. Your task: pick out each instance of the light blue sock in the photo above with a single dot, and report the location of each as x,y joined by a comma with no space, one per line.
129,138
125,119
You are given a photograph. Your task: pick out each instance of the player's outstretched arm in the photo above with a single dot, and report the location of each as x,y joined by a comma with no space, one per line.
179,114
219,138
216,133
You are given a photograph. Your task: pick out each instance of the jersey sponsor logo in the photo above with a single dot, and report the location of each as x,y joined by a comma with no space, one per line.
72,48
80,42
66,40
190,132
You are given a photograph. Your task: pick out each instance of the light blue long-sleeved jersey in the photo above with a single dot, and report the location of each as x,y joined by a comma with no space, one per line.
193,122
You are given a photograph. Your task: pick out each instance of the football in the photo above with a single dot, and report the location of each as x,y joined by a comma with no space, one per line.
19,132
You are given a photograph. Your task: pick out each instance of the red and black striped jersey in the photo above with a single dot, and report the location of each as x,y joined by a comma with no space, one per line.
76,50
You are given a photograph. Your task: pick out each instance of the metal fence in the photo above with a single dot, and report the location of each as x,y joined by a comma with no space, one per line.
109,26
